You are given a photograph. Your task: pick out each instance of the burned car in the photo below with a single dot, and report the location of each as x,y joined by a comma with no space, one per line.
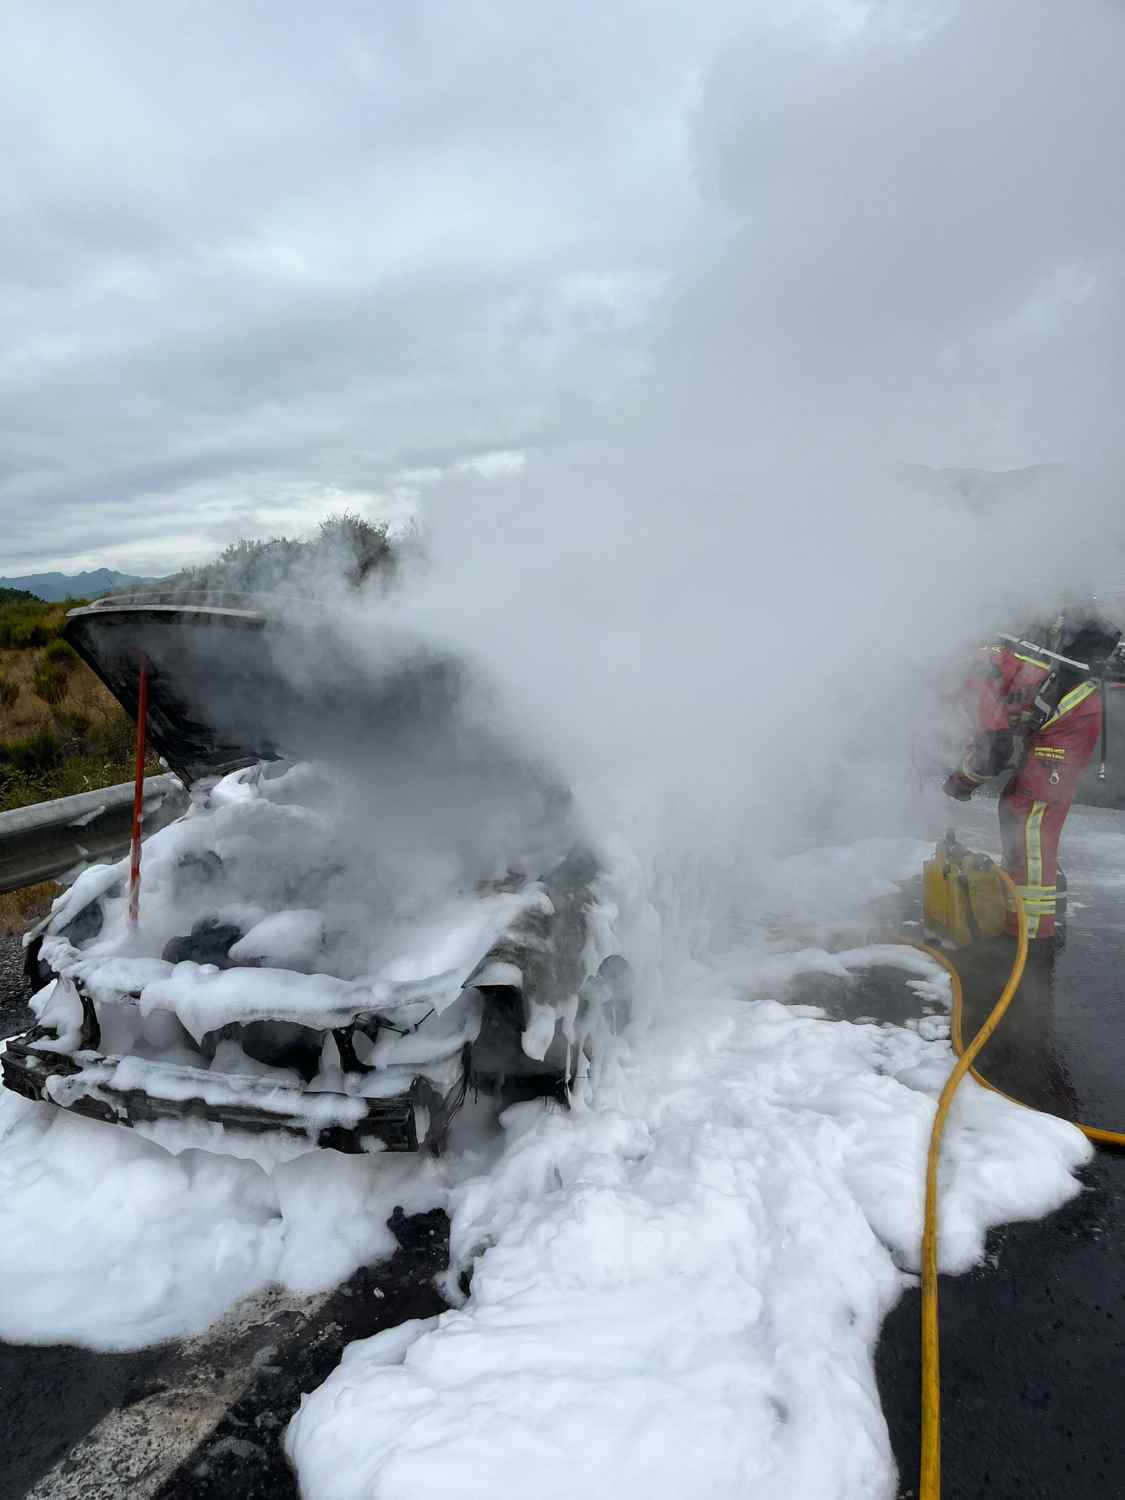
372,906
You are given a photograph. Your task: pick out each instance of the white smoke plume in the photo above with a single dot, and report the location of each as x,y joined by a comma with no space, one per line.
727,616
875,420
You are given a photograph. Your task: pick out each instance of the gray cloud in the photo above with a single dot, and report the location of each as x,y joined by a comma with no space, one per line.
251,245
252,254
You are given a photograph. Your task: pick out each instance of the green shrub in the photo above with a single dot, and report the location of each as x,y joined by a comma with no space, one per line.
74,721
32,633
30,623
347,549
33,756
113,737
61,654
9,692
49,682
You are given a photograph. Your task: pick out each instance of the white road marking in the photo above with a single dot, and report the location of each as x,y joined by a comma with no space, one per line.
133,1451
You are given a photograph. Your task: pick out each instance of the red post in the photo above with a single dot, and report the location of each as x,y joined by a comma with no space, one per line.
138,794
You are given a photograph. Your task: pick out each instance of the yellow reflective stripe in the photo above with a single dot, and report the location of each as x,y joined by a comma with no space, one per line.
1034,864
1031,660
1072,700
970,775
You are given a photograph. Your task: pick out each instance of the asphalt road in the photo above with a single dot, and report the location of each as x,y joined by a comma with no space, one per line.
14,988
1033,1342
202,1419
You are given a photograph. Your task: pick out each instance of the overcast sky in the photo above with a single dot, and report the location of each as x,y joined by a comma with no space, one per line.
264,260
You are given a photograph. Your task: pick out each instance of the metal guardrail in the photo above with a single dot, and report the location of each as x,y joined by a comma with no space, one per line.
46,840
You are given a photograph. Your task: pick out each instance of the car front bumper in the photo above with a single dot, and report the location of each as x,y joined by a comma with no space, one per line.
102,1088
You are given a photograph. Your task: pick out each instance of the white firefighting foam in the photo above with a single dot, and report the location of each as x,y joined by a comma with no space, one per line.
678,1287
406,948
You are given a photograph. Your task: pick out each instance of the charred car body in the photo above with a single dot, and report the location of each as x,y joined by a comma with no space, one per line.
372,905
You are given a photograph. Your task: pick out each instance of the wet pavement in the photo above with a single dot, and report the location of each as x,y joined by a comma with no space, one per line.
242,1456
202,1419
15,988
1033,1341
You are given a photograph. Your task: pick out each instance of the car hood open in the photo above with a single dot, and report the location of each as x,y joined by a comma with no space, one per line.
235,679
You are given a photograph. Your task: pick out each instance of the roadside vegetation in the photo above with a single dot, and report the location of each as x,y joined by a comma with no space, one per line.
60,730
345,548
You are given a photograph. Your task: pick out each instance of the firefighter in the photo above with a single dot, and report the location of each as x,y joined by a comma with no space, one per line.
1041,718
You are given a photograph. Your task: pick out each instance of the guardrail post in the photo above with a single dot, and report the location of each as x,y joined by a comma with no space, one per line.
138,794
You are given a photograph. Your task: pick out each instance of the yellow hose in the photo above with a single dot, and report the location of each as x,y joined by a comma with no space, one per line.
1094,1133
930,1476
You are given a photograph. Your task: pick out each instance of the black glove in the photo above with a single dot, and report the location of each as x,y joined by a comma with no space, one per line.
959,787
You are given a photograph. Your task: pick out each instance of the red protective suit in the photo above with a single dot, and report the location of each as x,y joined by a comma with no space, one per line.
1034,804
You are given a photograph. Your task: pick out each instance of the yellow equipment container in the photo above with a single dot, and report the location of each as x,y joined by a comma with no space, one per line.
963,897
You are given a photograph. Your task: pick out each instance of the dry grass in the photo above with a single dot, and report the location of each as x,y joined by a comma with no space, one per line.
82,741
19,910
84,693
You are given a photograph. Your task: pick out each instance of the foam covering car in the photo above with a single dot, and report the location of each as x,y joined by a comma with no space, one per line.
374,903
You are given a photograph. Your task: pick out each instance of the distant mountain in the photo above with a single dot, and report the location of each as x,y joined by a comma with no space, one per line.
55,587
